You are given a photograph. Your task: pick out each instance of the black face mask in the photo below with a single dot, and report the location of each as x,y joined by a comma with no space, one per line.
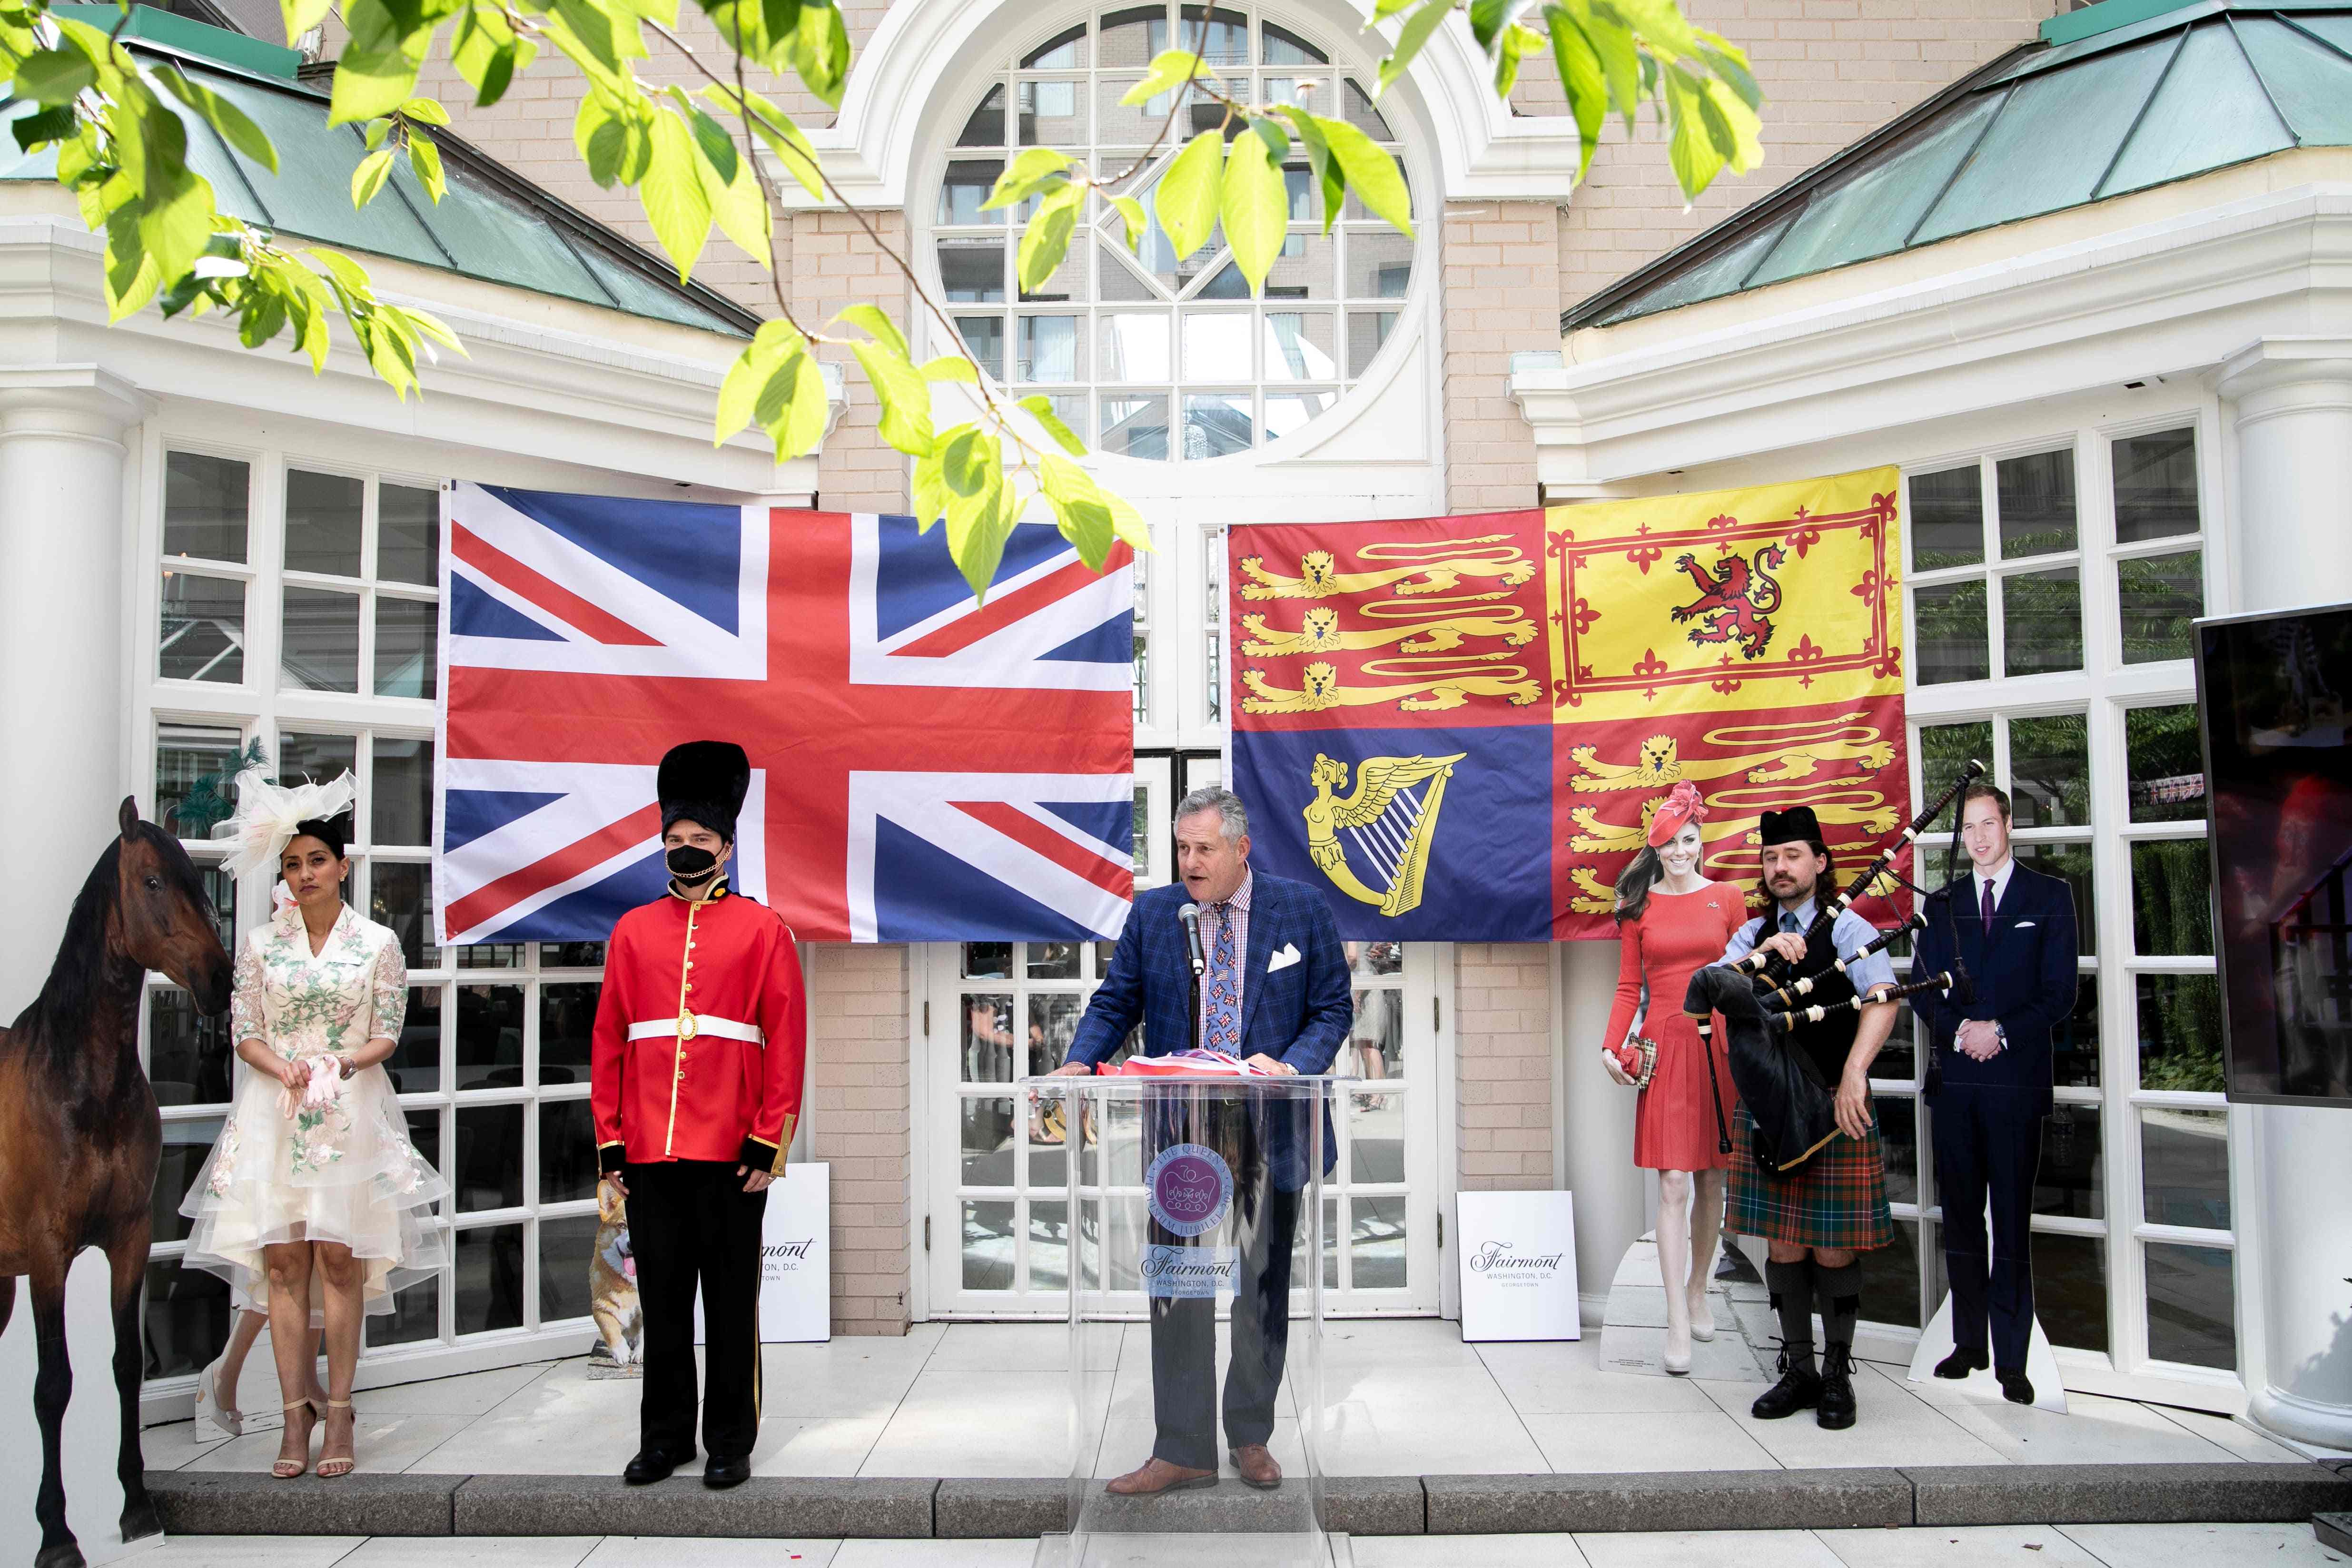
690,863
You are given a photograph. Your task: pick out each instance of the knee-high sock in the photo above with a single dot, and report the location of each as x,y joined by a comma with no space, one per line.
1838,1291
1793,1297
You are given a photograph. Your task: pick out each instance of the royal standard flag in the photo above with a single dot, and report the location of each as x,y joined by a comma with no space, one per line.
1458,728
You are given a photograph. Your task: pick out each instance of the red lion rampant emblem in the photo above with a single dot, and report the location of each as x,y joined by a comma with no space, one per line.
1736,604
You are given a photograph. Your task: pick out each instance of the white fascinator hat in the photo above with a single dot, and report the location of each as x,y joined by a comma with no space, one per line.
267,813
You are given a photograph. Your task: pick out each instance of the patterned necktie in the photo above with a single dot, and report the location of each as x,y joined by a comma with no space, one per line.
1223,1030
1789,923
1988,907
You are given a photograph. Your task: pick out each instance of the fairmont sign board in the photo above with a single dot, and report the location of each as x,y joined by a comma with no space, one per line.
1519,1265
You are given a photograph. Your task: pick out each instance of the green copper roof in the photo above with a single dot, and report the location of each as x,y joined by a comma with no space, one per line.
490,224
2153,92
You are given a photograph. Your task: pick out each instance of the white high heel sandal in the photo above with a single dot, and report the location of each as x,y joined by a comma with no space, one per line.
209,1406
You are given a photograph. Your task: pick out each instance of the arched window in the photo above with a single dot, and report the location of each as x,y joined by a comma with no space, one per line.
1144,355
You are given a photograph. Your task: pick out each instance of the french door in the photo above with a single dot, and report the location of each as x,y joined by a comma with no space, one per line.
995,1226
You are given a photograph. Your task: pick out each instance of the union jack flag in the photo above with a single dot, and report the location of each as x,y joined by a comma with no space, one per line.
923,768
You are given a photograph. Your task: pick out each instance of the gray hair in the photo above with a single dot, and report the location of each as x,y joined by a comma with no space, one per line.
1225,803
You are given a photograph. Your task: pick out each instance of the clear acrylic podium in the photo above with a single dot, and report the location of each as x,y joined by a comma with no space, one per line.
1195,1206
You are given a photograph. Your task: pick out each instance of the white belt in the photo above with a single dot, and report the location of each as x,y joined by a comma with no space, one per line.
693,1026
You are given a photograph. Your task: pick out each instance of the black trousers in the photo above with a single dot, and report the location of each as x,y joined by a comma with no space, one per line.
1988,1143
691,1224
1184,1339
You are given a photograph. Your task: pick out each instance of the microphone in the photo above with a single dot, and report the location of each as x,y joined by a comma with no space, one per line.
1191,915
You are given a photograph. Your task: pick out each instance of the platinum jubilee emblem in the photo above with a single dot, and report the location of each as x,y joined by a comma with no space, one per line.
1190,1188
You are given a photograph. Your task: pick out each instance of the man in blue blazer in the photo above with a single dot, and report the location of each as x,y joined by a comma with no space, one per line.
2007,935
1275,992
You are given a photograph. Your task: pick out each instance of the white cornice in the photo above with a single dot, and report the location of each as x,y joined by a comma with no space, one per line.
2179,294
922,48
639,401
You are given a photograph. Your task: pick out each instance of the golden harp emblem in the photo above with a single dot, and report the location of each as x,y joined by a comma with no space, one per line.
1388,820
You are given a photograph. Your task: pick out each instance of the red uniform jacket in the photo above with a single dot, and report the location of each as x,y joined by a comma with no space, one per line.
700,1035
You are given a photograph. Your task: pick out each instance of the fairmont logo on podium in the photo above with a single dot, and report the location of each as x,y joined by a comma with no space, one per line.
1496,1258
784,1256
1185,1272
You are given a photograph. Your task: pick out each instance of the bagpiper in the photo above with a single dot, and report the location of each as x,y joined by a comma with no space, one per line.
696,1086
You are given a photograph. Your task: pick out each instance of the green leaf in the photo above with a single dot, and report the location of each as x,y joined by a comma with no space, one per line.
1131,214
1269,129
1041,409
710,138
1690,153
792,407
1491,19
675,202
370,176
819,48
1510,50
1186,198
876,324
426,159
1621,62
776,128
235,127
905,397
376,72
1024,176
301,16
739,394
1046,239
742,211
1580,75
377,131
1388,8
47,125
1256,207
1661,25
1330,182
1730,62
424,111
951,368
1079,507
1369,172
1416,32
55,76
1170,69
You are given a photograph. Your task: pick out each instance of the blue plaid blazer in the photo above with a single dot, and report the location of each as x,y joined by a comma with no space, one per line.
1299,1014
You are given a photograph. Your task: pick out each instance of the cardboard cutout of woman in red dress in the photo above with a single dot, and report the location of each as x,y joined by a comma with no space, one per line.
1672,921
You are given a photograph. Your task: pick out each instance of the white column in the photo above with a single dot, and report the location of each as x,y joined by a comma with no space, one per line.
63,461
2290,402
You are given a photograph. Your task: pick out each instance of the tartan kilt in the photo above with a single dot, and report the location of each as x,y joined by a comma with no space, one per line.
1835,1200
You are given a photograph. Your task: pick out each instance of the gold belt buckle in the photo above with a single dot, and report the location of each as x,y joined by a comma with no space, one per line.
685,1027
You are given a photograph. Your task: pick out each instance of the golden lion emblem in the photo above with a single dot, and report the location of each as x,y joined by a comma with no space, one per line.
1434,566
1320,632
1319,688
1660,763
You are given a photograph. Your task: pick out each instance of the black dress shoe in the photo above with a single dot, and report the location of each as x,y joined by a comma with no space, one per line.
1799,1389
2016,1387
1836,1410
719,1473
1961,1361
651,1465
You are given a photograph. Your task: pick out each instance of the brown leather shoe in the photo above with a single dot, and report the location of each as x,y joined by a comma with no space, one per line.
1257,1466
1155,1476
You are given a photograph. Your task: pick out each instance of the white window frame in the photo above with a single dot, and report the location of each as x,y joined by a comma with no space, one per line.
2104,690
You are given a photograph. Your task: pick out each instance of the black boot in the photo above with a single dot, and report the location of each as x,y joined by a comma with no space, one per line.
1836,1409
650,1466
1800,1387
1961,1361
2016,1387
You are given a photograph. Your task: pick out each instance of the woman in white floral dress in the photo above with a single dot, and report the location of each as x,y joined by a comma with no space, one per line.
314,1203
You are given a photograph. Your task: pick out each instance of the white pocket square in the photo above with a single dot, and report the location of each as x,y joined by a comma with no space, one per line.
2025,926
1285,957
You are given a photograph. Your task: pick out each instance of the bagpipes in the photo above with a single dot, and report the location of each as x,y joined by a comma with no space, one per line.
1771,966
1785,997
1790,1018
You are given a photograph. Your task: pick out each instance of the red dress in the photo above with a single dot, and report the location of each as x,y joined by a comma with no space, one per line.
1677,935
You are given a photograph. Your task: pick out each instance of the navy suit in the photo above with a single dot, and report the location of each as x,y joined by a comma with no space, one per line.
1299,1015
1987,1116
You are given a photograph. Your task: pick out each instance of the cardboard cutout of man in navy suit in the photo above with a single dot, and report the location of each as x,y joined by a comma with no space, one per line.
2009,935
1275,992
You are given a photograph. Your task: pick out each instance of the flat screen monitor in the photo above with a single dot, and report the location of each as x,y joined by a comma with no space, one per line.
2275,704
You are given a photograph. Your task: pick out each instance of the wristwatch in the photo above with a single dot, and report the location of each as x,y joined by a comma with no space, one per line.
2000,1035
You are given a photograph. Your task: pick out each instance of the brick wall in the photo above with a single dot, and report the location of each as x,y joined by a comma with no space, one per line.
1501,277
836,262
1832,70
859,1114
1503,1051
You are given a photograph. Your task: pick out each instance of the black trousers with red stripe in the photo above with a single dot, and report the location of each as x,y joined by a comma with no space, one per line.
693,1226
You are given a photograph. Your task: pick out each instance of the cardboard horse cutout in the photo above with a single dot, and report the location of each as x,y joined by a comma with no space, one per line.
80,1134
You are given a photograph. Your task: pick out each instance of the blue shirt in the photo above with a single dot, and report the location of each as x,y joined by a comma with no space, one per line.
1849,932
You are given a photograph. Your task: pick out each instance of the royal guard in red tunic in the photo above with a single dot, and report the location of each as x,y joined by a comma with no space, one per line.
701,1034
